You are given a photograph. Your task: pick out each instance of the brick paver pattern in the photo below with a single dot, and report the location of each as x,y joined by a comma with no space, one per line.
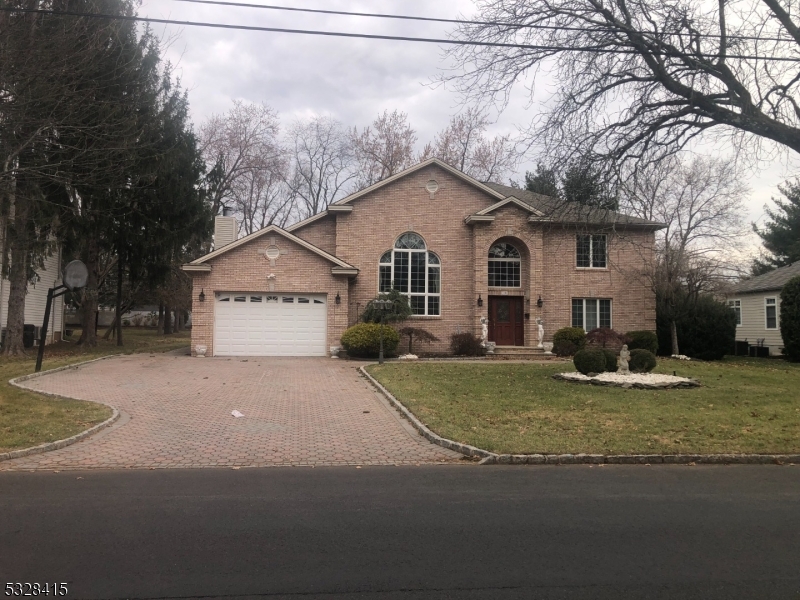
176,413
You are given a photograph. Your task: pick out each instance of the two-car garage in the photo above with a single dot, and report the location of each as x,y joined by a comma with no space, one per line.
270,324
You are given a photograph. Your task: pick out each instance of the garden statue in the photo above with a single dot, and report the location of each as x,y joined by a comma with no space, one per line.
624,356
484,331
541,332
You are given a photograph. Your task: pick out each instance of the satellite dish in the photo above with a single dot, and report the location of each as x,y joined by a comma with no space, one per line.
75,275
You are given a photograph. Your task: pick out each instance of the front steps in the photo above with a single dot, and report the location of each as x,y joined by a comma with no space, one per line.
520,353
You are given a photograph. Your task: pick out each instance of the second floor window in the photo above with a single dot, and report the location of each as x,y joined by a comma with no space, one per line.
592,250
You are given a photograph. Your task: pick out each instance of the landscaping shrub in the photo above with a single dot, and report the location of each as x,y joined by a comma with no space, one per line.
642,361
363,340
590,360
605,337
466,344
707,328
564,348
611,360
419,334
574,335
399,311
643,340
790,319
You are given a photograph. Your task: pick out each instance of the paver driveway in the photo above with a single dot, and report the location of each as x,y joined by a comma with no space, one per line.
176,412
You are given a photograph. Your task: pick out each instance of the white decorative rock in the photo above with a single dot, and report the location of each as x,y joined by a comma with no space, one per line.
409,357
201,350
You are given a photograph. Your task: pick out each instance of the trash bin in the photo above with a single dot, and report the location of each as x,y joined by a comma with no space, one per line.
28,335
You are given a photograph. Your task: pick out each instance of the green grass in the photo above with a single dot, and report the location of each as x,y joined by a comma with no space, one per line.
745,405
28,419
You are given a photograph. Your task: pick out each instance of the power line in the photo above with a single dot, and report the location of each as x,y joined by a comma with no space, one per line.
541,47
454,21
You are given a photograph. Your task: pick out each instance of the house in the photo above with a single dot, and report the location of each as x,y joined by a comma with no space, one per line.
36,301
459,249
757,303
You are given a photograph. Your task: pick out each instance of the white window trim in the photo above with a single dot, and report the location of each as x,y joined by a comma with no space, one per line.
597,300
777,324
739,311
428,266
591,252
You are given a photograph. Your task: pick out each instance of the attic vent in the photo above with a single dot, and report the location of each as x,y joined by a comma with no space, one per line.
225,230
432,186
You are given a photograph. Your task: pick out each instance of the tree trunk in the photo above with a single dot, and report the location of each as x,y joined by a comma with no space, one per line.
90,295
160,326
120,272
19,242
167,319
673,329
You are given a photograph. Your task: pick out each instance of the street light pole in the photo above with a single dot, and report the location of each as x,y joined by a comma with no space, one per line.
382,305
380,354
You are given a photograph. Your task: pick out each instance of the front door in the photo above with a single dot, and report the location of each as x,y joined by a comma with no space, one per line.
506,321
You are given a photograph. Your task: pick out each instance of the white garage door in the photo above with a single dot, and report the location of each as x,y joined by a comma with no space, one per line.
269,324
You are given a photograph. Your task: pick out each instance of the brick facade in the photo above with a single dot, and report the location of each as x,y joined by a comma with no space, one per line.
379,217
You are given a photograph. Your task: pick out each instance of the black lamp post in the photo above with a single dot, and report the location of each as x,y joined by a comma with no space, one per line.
383,306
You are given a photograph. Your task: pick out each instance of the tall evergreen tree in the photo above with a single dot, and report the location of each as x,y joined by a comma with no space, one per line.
781,234
584,183
543,181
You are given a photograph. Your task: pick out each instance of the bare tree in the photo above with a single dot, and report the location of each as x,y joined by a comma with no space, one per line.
639,78
322,163
701,204
385,148
235,145
464,145
262,198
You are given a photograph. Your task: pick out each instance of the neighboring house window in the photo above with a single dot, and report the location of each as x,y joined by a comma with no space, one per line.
591,313
415,272
736,305
504,266
772,313
592,250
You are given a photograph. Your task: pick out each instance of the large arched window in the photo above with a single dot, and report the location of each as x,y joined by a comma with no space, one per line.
415,272
504,266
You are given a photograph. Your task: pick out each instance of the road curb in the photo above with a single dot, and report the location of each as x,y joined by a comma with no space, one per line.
58,444
492,458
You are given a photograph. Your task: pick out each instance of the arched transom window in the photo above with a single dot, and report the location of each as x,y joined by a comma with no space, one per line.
415,272
504,266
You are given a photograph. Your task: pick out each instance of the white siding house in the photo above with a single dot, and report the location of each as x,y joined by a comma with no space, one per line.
36,300
757,303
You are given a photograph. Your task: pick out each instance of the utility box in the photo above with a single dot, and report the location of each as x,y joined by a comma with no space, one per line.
28,335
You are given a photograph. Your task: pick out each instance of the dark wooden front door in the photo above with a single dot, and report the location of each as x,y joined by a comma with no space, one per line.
506,321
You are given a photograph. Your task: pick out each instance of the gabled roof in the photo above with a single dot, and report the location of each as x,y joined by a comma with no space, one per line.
335,207
511,200
774,280
197,264
560,211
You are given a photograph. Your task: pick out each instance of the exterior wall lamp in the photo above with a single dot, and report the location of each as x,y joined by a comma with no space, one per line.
539,302
202,296
480,301
338,298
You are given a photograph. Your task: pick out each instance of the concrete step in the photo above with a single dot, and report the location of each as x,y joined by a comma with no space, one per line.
520,352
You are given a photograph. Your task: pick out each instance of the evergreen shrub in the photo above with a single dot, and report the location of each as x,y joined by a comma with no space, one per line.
643,340
590,360
642,361
363,340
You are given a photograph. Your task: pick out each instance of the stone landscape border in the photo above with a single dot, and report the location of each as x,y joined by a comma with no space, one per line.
688,383
492,458
49,446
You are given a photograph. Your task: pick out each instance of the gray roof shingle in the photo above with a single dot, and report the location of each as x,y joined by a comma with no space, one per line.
774,280
560,211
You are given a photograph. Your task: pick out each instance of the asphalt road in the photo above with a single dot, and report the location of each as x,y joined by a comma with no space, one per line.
407,533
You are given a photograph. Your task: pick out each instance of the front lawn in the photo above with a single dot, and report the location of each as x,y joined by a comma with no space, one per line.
28,419
744,406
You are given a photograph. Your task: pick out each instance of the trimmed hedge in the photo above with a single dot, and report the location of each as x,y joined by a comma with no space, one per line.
564,348
642,361
364,340
573,335
590,360
790,319
643,340
611,361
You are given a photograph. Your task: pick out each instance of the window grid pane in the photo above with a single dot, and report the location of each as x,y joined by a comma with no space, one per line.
504,273
385,282
417,305
599,251
401,271
577,312
591,315
605,313
772,318
584,250
433,280
418,268
433,305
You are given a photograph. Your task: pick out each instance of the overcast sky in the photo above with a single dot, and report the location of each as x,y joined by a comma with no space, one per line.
353,80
